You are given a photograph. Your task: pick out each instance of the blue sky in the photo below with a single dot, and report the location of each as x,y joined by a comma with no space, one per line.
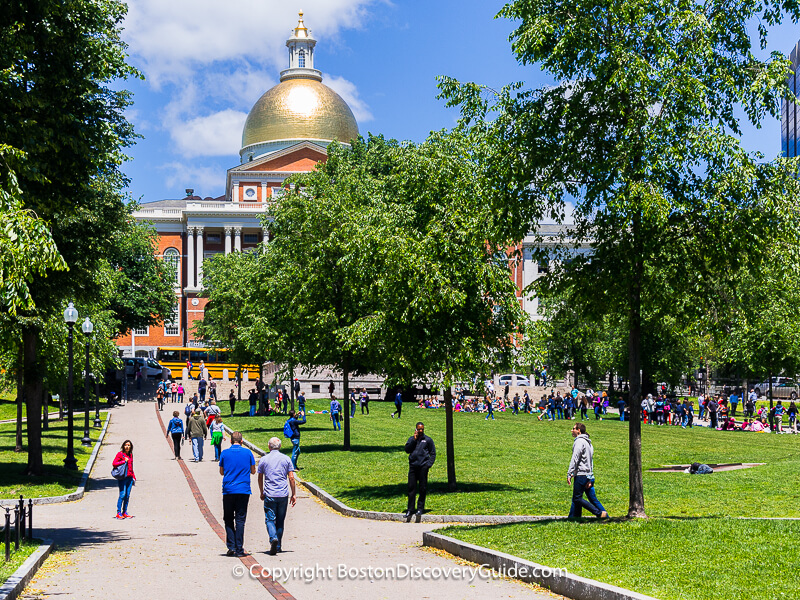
206,62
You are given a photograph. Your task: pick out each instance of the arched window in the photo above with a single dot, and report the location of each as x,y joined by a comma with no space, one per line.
301,58
173,258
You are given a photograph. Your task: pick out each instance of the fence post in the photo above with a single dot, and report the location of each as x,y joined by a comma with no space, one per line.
30,518
16,528
8,534
21,517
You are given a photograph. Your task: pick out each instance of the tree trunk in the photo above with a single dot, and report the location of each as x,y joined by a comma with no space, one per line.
346,405
20,397
449,445
770,390
45,410
33,401
635,485
291,384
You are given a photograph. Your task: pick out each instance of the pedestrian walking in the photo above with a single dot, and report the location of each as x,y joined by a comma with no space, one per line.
489,408
291,429
275,479
202,385
232,401
175,429
189,367
217,430
398,403
235,465
364,401
174,391
180,391
336,409
212,388
197,432
581,468
160,398
353,404
421,456
125,457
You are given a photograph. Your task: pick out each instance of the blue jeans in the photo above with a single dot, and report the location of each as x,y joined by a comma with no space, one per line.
336,424
551,413
275,515
202,395
217,451
560,412
490,413
352,409
295,450
125,486
252,410
621,407
197,448
578,503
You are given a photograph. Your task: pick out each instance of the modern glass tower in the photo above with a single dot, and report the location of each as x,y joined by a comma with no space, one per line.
790,111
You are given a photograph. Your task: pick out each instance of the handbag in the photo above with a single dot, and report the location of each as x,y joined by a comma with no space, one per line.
120,471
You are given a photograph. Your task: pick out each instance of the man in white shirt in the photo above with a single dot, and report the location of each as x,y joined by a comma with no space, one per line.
275,478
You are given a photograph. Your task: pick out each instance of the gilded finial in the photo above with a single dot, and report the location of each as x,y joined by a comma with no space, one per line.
300,30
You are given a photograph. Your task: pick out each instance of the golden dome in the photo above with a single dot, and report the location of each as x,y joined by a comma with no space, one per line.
299,108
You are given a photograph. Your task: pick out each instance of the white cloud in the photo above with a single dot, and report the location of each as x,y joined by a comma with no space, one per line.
217,134
204,180
170,40
347,90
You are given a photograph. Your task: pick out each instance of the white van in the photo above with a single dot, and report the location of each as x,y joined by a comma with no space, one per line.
150,366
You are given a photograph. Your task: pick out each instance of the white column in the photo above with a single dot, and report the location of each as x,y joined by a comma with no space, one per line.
263,192
199,257
190,257
228,231
235,193
237,232
265,233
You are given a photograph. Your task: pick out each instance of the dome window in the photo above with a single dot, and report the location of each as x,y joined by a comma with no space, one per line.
301,59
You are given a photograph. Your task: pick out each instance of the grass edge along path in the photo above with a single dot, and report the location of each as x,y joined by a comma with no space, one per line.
56,481
517,465
670,559
26,549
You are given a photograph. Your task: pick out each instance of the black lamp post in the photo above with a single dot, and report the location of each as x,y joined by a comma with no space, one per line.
70,462
97,422
87,329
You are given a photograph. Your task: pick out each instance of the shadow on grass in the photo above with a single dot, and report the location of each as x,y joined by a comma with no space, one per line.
316,448
434,488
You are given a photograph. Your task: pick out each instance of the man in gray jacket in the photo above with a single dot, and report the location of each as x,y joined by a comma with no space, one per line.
197,431
581,468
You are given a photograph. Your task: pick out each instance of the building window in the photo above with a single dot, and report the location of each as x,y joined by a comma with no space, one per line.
544,265
173,257
173,325
250,238
143,331
315,388
302,59
277,192
214,238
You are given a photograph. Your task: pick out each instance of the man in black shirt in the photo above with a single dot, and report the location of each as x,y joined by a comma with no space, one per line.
421,456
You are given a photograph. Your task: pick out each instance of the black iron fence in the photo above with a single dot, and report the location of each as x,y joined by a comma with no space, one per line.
18,525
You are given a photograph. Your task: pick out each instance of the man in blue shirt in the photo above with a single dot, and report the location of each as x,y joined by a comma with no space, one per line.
275,477
398,404
336,409
236,464
294,424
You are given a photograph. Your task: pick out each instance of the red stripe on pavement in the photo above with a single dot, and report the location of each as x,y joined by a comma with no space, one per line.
273,587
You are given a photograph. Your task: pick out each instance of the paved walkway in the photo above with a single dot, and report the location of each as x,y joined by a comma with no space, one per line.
172,547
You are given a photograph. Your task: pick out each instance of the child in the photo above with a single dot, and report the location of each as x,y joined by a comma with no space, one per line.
217,434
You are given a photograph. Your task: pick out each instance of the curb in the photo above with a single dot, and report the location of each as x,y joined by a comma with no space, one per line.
15,584
375,515
560,582
77,494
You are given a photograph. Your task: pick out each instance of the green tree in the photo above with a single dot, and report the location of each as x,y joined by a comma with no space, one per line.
61,107
638,144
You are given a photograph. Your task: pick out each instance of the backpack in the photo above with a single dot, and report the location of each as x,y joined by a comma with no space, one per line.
177,425
288,431
188,410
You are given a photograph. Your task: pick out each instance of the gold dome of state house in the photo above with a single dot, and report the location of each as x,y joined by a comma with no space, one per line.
299,108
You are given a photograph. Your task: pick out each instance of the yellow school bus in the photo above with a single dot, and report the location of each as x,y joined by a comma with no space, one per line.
214,359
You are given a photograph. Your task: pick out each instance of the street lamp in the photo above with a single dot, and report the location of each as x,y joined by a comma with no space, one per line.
70,317
87,328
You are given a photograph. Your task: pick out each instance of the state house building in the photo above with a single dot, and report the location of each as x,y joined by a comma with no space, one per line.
287,132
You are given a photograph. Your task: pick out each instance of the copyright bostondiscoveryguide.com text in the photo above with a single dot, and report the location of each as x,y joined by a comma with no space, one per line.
397,572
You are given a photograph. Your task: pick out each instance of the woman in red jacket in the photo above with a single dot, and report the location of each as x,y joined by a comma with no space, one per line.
125,455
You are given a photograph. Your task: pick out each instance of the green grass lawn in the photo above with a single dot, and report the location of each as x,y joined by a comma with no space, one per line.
670,559
7,569
56,480
8,406
517,465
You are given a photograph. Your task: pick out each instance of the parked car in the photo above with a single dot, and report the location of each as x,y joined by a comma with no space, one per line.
150,366
782,387
513,379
